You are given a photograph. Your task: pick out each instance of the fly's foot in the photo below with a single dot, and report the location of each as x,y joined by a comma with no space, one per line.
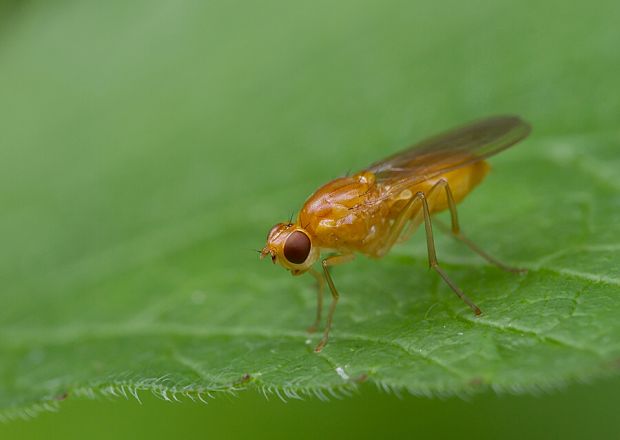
321,345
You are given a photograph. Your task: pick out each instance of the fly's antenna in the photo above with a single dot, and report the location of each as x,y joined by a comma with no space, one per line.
290,219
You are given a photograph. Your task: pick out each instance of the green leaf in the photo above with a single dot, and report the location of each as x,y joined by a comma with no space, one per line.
148,148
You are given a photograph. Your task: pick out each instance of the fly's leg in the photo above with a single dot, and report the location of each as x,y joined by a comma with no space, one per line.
327,262
456,230
411,214
319,300
432,256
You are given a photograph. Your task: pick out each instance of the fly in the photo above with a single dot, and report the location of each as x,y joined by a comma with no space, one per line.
370,211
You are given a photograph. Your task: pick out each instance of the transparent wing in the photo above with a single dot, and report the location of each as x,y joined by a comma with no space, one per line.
450,150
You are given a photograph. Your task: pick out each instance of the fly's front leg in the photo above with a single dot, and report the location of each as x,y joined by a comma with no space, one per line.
432,256
458,234
319,300
326,263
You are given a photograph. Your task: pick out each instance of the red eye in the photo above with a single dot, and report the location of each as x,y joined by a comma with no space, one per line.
297,247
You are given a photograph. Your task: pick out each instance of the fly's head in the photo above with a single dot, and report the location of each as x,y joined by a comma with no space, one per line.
290,246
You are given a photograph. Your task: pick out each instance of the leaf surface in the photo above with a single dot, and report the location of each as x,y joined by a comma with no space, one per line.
147,149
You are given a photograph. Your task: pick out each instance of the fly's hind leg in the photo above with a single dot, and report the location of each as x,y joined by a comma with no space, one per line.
458,234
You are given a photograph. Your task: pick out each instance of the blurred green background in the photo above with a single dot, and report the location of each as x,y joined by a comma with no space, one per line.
583,411
165,98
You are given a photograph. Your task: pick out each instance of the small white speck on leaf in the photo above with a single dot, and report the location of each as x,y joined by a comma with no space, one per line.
342,373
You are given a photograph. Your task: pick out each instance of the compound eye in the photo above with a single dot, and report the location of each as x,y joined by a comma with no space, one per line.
297,247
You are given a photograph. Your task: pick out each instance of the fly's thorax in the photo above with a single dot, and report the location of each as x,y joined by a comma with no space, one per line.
337,200
291,246
365,178
343,215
